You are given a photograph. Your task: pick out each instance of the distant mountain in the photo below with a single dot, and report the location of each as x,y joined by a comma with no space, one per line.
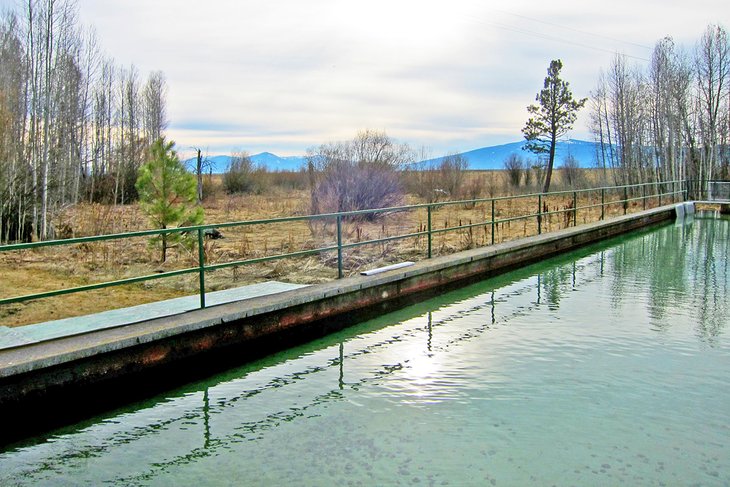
492,157
272,162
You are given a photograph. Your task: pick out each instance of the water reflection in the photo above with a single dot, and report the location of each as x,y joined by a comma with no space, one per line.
419,357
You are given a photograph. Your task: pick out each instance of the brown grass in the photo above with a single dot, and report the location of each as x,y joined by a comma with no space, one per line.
45,269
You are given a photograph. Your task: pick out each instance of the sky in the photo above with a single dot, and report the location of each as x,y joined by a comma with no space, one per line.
449,76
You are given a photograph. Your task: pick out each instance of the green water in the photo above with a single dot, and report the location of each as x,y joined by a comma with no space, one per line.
609,366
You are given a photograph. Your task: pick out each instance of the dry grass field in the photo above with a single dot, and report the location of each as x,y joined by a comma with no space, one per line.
44,269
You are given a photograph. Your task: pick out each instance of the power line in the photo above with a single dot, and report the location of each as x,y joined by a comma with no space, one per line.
575,30
554,38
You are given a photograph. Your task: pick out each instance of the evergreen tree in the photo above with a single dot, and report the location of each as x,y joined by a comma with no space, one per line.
552,118
167,193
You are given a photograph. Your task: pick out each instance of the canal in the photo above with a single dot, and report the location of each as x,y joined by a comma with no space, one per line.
606,366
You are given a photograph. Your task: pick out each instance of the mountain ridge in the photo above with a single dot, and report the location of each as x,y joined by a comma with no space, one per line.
484,158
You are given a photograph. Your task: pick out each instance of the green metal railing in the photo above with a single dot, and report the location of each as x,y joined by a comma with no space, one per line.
708,190
661,191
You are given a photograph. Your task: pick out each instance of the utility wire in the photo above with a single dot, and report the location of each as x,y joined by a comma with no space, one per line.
575,30
556,39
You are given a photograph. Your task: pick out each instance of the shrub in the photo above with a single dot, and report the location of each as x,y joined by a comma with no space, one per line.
357,174
238,177
539,171
451,173
515,165
438,179
571,172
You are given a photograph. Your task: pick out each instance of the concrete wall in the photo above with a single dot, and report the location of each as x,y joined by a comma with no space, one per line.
89,372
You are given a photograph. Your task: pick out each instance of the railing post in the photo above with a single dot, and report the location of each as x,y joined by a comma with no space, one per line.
429,231
603,202
643,196
626,199
201,268
575,208
492,221
539,213
339,247
659,190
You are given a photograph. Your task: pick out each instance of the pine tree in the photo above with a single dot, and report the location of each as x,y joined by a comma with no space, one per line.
552,118
167,193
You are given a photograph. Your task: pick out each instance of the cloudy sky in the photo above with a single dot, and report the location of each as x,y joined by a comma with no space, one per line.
285,75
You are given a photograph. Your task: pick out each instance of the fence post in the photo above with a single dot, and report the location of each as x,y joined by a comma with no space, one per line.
429,231
201,268
339,246
575,209
603,202
492,221
626,199
539,213
659,190
643,196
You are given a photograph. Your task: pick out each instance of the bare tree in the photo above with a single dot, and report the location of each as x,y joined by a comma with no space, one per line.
515,166
238,177
572,172
201,163
154,94
673,122
620,122
357,174
669,81
70,123
436,179
713,76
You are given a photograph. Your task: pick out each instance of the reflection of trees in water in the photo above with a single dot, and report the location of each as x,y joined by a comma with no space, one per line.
676,264
709,276
688,264
556,282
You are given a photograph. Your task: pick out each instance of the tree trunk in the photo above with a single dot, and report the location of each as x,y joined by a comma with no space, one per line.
199,173
551,161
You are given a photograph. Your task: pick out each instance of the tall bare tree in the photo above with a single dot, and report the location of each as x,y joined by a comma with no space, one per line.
713,76
672,122
70,123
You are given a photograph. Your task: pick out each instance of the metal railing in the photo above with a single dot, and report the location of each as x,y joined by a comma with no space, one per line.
708,190
662,192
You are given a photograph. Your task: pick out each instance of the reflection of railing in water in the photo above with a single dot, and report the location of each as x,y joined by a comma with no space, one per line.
204,412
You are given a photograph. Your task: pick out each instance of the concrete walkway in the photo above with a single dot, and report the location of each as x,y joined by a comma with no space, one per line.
49,330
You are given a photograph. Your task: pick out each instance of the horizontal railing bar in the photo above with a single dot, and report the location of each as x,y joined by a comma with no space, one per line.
100,285
468,225
269,258
384,239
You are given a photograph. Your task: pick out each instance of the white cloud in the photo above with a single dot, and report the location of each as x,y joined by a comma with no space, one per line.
284,75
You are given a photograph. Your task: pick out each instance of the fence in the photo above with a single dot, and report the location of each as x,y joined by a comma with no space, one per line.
648,194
